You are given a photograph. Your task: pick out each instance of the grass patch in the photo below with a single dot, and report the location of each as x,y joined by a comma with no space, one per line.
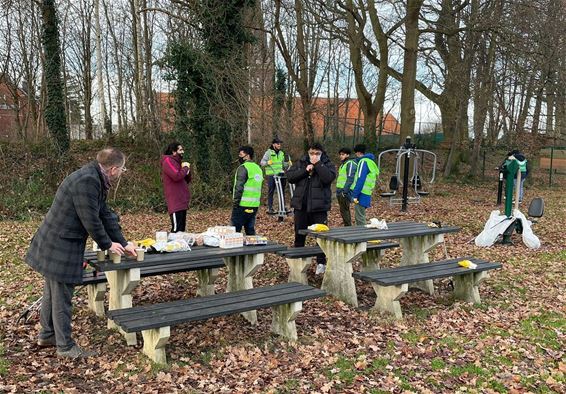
543,329
437,364
4,363
469,369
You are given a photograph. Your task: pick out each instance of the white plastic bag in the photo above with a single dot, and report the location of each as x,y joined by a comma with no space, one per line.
376,223
494,227
529,238
211,239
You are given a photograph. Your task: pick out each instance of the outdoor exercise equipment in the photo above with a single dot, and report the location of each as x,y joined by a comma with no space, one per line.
282,211
407,152
502,226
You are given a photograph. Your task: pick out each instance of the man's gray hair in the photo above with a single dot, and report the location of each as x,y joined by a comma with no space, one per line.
110,157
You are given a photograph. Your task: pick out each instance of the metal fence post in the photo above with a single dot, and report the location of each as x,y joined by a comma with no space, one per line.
550,170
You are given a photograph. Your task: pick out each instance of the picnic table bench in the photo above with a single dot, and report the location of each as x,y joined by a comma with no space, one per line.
155,321
242,263
206,269
342,244
391,284
299,259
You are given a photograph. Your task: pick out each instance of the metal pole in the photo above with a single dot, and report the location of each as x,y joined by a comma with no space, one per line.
550,170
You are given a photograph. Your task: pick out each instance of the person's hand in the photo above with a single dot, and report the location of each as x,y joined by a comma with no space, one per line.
310,168
355,200
117,248
131,249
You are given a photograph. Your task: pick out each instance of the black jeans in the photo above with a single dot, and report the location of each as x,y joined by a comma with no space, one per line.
240,218
344,204
178,221
56,313
303,219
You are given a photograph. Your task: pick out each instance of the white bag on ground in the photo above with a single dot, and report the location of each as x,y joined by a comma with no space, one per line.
494,227
529,238
498,223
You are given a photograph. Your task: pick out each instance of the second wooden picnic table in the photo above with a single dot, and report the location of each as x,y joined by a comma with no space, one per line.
242,263
343,244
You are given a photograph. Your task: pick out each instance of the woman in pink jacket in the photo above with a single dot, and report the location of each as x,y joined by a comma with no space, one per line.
177,177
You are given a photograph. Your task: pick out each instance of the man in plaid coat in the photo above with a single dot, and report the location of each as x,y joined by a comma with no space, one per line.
57,249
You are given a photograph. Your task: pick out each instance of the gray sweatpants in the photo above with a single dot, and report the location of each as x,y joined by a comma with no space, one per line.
56,313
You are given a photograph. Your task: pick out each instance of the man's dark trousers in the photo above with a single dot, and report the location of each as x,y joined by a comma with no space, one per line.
304,219
344,204
55,314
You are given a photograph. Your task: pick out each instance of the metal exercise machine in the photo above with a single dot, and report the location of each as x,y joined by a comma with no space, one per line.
407,152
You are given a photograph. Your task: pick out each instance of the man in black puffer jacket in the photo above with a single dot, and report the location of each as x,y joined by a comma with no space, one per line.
312,176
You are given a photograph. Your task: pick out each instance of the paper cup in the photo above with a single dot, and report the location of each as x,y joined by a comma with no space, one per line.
116,258
101,255
141,254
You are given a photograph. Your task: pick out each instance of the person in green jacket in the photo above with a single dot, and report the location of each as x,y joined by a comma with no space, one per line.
346,174
246,193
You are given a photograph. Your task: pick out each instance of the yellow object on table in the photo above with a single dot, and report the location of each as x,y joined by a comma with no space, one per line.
318,227
146,242
467,264
375,241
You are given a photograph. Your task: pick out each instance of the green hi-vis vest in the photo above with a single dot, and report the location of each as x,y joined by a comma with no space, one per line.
522,165
371,177
277,162
252,187
343,174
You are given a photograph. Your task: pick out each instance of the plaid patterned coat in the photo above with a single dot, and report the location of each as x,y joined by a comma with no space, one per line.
78,210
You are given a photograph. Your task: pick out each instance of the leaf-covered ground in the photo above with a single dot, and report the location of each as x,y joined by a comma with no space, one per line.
513,342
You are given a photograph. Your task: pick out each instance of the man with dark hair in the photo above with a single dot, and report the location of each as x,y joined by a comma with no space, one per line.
312,176
57,249
177,177
275,162
364,183
246,194
346,174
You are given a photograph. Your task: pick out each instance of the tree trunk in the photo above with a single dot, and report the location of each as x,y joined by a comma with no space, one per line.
55,107
409,70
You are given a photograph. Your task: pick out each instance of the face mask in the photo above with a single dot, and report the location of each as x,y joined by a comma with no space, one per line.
241,160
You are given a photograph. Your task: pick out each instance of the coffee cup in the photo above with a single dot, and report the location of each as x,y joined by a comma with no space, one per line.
116,258
101,255
141,254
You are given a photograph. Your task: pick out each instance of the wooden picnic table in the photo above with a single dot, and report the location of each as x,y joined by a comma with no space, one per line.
343,244
242,263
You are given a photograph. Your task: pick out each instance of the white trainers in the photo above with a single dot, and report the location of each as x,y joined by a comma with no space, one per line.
320,269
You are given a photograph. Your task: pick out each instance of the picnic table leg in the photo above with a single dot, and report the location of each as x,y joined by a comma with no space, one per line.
96,293
371,259
206,279
121,284
338,279
240,274
415,251
388,298
466,287
154,341
283,322
298,269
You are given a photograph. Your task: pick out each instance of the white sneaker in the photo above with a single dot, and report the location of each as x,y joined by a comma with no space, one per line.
320,269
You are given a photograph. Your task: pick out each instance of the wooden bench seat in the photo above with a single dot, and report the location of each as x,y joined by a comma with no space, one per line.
392,283
207,270
300,258
154,321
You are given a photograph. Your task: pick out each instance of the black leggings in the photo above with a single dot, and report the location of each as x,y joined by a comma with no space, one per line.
178,221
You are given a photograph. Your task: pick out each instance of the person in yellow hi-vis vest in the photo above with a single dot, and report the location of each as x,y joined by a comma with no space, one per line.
246,193
364,183
275,162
